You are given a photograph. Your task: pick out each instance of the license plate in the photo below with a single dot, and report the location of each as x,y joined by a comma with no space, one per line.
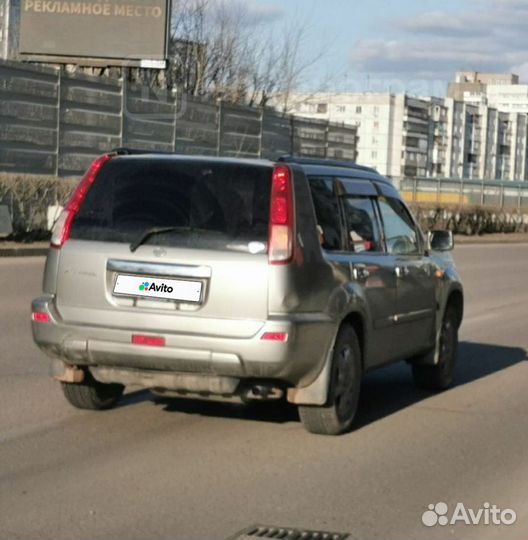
151,287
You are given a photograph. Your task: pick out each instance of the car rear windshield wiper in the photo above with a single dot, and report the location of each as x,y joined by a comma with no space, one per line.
147,233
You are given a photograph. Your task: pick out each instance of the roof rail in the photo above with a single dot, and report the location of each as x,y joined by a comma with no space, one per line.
123,151
326,162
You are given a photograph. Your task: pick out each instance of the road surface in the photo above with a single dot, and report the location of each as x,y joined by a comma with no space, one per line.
177,469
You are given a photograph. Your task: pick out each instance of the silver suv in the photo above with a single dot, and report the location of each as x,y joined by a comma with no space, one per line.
243,280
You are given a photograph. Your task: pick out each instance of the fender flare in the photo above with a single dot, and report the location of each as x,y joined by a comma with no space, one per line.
316,393
433,357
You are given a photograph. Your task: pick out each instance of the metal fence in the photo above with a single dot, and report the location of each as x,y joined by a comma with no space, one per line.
463,192
52,122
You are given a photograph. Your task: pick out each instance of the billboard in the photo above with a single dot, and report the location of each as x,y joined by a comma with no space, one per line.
95,32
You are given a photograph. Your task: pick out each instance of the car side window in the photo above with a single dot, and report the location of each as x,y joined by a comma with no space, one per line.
327,213
361,223
401,235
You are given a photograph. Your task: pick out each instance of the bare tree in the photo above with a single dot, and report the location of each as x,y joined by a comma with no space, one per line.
219,50
293,64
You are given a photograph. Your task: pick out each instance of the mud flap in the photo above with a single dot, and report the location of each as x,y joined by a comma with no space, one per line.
317,392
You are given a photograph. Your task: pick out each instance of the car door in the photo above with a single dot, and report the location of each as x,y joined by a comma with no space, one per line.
370,265
414,320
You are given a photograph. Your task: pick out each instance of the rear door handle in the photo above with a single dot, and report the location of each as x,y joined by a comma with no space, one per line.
401,271
360,272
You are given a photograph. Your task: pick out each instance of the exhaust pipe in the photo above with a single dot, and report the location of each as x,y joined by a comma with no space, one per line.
262,392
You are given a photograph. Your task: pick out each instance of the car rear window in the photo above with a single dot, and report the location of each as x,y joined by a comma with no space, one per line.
216,205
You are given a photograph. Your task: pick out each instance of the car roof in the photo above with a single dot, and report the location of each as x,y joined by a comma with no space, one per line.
311,166
329,167
167,156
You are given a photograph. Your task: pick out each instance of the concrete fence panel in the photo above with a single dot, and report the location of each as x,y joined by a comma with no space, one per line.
197,126
277,134
29,98
90,120
149,119
55,123
240,134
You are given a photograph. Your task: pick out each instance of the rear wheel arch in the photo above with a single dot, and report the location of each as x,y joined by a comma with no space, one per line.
455,301
357,322
316,393
336,414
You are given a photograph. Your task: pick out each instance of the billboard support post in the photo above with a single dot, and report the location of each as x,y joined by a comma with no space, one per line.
57,132
123,82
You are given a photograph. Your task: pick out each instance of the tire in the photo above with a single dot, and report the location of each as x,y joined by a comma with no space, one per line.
91,394
441,375
337,415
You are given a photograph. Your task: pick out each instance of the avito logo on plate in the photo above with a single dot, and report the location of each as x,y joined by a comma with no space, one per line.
179,290
146,286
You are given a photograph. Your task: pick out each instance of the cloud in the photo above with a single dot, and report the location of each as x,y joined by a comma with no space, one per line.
437,23
254,13
251,12
485,35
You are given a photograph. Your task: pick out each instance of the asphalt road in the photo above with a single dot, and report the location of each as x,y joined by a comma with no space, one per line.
152,469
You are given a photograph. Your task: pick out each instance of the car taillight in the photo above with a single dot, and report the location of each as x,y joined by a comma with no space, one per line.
148,341
42,318
281,217
281,337
62,227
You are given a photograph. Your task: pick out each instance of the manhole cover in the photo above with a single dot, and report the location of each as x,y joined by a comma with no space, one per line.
286,533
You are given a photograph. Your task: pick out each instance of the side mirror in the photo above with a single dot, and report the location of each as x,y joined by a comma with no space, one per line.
441,240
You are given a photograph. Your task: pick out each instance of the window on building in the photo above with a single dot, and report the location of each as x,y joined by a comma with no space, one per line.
374,154
376,111
376,125
340,108
322,108
359,109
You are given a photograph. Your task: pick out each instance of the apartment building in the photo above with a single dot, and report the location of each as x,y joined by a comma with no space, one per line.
371,113
494,143
393,130
403,136
439,139
414,139
499,91
474,83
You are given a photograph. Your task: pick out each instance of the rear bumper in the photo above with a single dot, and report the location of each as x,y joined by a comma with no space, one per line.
297,361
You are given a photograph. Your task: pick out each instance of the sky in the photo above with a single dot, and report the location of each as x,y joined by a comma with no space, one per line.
403,45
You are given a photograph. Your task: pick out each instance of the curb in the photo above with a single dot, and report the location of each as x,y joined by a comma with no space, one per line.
23,252
492,243
483,241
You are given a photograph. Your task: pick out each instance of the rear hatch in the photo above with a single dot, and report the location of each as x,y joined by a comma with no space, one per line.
168,244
